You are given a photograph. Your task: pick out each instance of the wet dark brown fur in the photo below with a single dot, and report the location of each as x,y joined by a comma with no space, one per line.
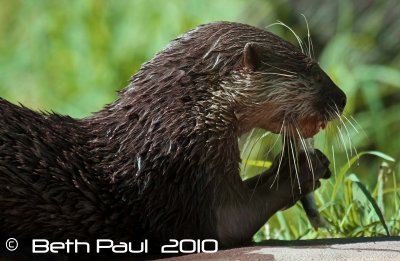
162,161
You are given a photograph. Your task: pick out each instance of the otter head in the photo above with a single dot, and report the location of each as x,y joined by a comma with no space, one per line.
286,90
235,77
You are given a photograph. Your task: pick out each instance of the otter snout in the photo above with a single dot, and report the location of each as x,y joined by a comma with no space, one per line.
338,98
333,98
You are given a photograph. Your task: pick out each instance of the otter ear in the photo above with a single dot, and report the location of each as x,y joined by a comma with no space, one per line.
252,56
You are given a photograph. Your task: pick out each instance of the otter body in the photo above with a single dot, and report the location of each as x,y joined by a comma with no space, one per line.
162,161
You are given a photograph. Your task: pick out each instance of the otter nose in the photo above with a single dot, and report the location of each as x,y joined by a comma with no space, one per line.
342,102
338,102
338,97
332,95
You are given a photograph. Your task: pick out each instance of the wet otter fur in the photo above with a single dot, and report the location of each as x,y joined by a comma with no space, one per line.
162,161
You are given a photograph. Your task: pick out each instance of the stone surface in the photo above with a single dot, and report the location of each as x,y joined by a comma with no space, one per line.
380,249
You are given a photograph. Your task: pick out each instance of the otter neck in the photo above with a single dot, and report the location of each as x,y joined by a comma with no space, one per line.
120,139
138,154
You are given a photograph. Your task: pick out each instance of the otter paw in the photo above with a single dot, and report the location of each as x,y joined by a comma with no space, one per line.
308,180
296,181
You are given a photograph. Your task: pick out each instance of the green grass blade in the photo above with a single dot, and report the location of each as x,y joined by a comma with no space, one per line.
341,223
283,224
368,195
396,205
258,163
343,170
379,73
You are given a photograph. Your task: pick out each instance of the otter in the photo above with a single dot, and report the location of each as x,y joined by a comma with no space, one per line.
162,161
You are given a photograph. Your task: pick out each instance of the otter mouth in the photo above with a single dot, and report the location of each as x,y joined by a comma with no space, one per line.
309,127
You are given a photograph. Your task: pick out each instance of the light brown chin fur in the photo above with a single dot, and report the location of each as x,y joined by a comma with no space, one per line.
309,127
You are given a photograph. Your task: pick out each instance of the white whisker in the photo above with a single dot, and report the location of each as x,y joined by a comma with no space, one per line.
270,149
356,122
303,143
281,158
344,144
347,133
354,127
252,148
294,162
301,44
334,161
248,139
279,74
308,37
278,68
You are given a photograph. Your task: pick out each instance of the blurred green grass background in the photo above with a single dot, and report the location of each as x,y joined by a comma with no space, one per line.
72,56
